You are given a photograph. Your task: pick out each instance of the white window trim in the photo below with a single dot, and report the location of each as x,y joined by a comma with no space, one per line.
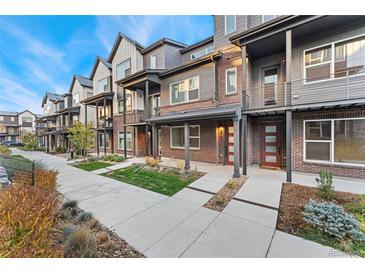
263,18
206,51
187,101
116,68
332,69
225,24
196,137
155,60
73,100
235,80
332,141
122,132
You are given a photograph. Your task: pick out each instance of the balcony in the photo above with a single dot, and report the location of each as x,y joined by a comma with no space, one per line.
342,87
135,117
106,122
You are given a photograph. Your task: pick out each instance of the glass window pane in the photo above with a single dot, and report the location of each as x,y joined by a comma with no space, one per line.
270,149
350,141
231,81
270,159
193,94
230,23
318,130
320,72
270,139
270,128
318,151
194,142
317,56
194,131
177,137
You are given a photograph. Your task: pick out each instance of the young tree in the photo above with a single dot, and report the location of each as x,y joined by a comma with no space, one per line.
82,137
30,140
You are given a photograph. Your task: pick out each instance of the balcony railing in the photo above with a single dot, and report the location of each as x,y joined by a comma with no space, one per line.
341,85
106,122
135,117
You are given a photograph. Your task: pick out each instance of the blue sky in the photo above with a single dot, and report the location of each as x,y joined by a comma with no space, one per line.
41,53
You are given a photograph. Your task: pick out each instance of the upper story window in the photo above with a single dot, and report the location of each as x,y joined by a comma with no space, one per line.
229,23
75,99
128,102
335,60
153,61
124,69
231,80
184,91
266,18
27,121
89,93
1,118
47,110
201,53
103,84
12,118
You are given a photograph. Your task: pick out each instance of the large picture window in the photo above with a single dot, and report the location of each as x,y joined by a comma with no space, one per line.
123,69
335,60
103,85
335,141
129,140
184,91
177,138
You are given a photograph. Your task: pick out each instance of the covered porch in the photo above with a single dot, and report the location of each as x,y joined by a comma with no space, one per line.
103,103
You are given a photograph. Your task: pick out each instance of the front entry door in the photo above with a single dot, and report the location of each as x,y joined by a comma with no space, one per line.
270,149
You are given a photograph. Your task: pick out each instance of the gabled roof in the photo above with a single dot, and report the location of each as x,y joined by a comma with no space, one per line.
99,59
119,38
53,97
198,44
85,82
27,111
163,41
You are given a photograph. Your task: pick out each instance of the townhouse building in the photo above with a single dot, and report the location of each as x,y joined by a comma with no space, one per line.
13,125
281,92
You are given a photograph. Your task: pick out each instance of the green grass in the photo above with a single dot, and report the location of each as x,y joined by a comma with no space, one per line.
167,183
358,209
90,166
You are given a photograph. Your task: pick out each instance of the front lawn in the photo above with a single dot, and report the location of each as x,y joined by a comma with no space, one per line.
291,216
167,182
90,166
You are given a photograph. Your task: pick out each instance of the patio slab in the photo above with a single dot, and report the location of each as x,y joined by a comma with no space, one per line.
253,213
231,237
193,196
179,239
151,225
285,245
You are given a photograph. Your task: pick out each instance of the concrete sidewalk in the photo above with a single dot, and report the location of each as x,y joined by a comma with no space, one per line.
178,226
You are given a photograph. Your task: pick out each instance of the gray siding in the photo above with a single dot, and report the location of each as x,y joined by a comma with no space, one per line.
220,38
253,20
186,57
206,83
173,56
160,58
330,90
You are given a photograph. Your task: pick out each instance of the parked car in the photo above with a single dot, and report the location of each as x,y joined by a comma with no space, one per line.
12,144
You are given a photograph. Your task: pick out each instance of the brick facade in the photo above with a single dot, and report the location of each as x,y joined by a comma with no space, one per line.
208,151
297,144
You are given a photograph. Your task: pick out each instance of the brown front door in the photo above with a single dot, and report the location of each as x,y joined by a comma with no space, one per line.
270,149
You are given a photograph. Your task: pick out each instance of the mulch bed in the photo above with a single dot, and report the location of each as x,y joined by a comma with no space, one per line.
293,199
221,199
111,246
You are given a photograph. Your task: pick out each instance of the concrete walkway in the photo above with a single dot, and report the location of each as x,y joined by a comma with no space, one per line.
178,226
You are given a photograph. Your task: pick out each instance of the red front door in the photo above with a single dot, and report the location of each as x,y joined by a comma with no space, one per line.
270,149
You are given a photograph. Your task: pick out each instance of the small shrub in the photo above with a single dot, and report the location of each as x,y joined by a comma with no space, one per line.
70,204
85,217
61,150
325,185
180,164
333,220
152,162
232,184
81,244
219,202
113,158
109,245
93,224
102,237
5,151
30,141
68,230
